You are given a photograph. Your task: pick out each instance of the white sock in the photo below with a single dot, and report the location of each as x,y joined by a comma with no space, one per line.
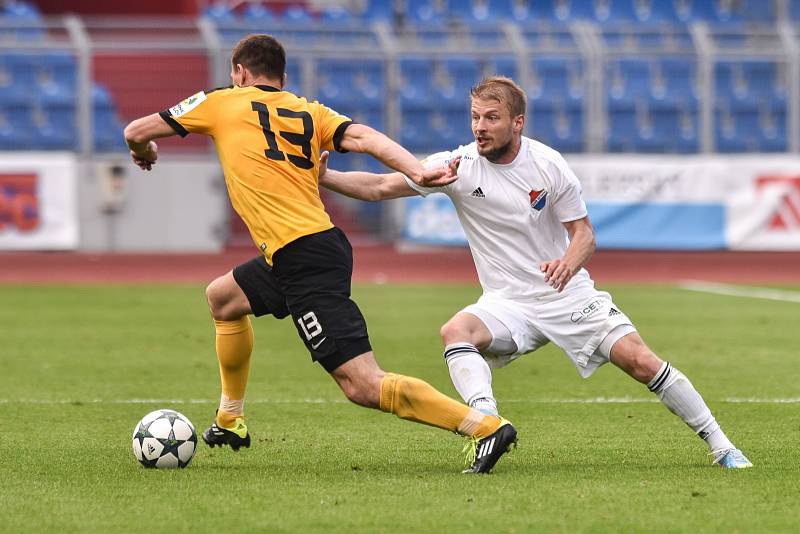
471,376
681,398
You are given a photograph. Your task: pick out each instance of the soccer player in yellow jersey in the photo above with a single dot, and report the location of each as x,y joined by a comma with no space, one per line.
269,142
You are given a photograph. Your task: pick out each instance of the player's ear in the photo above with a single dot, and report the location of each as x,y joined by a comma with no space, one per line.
519,123
283,81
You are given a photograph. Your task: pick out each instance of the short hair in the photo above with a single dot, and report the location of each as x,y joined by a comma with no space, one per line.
261,54
504,90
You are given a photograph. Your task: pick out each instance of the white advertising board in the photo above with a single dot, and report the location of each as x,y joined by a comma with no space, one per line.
38,201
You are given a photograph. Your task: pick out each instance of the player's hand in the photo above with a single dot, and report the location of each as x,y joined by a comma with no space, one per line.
557,273
146,159
323,163
441,176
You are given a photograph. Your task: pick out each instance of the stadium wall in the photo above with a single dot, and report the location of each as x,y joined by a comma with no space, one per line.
55,201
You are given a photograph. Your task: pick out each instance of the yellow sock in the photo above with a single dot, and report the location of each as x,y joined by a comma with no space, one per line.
415,400
234,346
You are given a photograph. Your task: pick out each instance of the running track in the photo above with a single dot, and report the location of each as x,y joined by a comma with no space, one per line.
385,264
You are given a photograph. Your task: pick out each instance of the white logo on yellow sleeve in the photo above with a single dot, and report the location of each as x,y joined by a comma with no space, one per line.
187,105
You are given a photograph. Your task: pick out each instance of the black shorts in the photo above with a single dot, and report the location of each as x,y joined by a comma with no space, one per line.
310,279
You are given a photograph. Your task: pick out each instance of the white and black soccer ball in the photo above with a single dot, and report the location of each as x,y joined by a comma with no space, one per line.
165,439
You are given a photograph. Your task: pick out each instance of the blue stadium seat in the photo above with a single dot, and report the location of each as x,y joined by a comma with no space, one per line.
294,81
502,66
107,127
416,133
772,131
749,84
557,78
676,130
417,82
627,81
220,13
255,13
794,10
56,74
760,11
747,130
619,11
558,127
25,19
344,82
15,83
17,122
337,16
378,10
55,129
452,79
296,14
674,82
424,13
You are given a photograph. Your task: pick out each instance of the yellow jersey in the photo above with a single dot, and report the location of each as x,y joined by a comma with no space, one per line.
268,142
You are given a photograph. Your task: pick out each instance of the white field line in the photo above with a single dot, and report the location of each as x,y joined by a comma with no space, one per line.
740,291
591,400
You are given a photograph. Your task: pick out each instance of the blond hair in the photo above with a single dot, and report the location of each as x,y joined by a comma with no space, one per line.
504,90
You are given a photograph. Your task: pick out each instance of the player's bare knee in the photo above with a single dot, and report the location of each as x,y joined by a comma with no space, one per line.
361,392
643,364
219,301
453,332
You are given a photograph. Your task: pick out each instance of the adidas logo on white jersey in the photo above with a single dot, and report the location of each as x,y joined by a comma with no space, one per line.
478,193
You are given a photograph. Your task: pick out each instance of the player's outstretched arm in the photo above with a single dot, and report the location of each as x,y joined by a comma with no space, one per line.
581,247
139,136
363,185
362,138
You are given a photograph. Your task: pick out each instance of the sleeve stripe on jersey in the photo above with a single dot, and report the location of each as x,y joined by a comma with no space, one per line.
180,130
337,136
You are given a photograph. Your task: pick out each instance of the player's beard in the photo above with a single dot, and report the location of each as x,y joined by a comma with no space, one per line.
495,154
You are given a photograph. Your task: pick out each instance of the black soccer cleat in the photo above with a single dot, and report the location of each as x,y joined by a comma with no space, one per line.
235,438
482,454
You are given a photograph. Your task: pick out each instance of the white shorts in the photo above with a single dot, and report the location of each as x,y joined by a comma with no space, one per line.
583,322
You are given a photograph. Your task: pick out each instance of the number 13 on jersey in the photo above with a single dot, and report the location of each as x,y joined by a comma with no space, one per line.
302,140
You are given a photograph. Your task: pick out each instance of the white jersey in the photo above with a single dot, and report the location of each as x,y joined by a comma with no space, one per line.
512,215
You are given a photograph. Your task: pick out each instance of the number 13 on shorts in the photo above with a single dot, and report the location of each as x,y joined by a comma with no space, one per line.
310,325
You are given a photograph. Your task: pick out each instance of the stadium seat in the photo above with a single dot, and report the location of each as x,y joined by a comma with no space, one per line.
107,127
502,66
676,130
424,13
557,78
51,132
416,132
558,127
343,82
294,80
22,21
674,82
337,16
17,123
378,11
627,81
297,14
463,73
220,13
258,14
416,86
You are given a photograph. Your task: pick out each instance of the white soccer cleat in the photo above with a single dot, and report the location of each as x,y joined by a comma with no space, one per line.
731,459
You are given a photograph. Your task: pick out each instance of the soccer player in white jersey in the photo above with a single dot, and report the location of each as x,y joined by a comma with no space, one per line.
529,233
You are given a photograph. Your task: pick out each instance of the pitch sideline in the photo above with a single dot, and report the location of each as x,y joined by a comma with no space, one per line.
740,291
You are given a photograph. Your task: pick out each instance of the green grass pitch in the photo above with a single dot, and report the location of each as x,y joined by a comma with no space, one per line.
80,365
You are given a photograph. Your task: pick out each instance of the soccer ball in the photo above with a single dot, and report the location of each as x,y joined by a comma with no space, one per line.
164,439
